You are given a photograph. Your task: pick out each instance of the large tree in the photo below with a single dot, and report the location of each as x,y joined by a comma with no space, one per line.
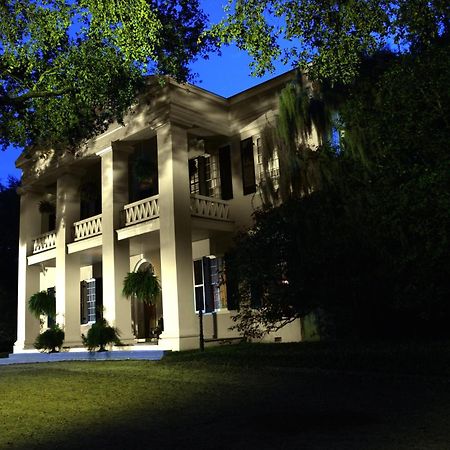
369,243
330,37
9,236
68,68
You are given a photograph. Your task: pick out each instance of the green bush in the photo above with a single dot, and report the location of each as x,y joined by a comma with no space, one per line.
100,335
50,340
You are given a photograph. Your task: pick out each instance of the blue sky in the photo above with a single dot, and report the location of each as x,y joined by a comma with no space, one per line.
225,75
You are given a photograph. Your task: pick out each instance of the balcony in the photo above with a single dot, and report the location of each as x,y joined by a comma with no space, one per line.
141,211
44,242
88,228
143,216
210,208
87,234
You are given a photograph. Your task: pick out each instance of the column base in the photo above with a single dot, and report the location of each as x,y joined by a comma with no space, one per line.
23,347
178,343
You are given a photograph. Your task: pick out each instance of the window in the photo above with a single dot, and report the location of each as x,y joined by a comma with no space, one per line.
248,167
204,176
91,300
209,286
273,166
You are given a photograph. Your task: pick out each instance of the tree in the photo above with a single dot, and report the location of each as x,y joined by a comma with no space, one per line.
330,38
9,237
368,245
69,68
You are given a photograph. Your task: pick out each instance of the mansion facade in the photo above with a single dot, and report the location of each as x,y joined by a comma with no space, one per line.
170,187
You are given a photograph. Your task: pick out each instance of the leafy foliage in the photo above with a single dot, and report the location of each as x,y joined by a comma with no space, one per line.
329,39
68,69
51,339
43,302
370,247
100,335
143,285
9,236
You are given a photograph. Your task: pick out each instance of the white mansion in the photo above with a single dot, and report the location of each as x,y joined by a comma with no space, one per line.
168,188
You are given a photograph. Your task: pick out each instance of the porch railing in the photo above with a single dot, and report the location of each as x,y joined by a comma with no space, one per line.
87,228
211,208
201,206
142,210
44,242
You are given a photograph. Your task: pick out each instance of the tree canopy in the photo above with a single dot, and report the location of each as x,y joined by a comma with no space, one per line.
9,237
69,68
367,242
330,38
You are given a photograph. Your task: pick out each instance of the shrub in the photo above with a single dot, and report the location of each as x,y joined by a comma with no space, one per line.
100,335
51,340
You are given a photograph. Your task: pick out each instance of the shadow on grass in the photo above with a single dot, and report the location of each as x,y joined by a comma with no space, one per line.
242,398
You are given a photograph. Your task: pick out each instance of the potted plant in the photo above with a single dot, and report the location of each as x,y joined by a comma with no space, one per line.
43,303
143,285
100,335
47,207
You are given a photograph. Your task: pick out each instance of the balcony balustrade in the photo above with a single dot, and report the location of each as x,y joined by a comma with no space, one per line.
44,242
201,206
87,228
210,208
141,210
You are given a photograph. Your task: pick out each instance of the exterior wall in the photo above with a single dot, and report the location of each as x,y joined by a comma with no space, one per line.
178,116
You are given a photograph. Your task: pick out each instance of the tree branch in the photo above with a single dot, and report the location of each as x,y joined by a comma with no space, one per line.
6,99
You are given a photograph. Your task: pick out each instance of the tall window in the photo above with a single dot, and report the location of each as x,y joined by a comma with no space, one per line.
91,300
273,166
204,176
209,286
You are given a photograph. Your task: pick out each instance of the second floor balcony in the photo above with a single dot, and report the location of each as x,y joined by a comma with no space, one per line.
137,218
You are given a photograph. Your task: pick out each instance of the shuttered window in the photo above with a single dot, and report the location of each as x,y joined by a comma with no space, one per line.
90,300
209,287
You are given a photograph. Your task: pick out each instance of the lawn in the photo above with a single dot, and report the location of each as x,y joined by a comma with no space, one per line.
302,396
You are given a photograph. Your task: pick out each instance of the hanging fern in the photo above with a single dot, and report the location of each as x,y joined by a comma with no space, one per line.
143,285
47,207
43,303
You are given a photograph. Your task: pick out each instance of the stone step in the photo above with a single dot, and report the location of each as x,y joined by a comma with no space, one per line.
117,355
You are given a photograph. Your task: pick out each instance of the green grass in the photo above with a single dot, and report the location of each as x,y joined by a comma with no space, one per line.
235,397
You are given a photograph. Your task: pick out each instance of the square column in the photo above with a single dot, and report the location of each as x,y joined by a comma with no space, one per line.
115,254
181,328
67,274
28,326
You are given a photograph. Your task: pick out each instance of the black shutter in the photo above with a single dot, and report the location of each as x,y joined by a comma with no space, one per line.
202,185
225,172
232,285
98,299
248,166
83,302
209,294
255,295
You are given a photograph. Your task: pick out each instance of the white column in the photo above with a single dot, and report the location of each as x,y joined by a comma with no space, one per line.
115,254
180,321
28,276
67,274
